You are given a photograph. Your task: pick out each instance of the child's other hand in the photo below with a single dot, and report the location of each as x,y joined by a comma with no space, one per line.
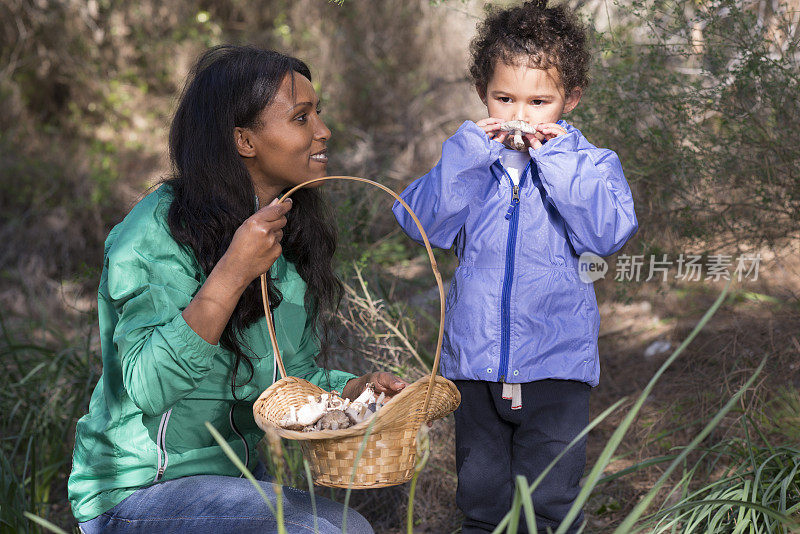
492,128
544,132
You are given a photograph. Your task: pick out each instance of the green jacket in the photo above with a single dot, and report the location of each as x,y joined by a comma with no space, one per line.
161,381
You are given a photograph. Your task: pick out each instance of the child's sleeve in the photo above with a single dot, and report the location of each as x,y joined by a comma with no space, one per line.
588,188
441,199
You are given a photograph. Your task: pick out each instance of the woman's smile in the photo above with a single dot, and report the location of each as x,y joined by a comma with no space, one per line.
320,157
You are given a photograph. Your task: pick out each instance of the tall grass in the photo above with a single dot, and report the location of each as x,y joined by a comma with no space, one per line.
742,485
760,496
47,382
758,491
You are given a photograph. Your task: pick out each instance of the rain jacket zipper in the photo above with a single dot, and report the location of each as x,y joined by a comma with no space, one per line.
161,446
505,303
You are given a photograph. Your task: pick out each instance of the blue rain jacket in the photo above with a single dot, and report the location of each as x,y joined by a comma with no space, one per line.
517,310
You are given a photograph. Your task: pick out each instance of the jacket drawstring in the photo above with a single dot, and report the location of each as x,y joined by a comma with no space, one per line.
513,392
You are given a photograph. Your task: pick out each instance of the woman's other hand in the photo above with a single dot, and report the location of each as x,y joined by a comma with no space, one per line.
383,382
257,243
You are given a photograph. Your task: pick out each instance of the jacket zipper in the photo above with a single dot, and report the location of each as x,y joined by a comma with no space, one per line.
161,446
512,215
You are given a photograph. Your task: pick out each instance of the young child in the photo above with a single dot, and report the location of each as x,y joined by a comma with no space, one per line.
521,327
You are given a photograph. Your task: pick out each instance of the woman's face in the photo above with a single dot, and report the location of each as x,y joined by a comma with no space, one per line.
286,146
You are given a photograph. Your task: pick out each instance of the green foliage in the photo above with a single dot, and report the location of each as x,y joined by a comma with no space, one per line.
699,101
758,491
47,388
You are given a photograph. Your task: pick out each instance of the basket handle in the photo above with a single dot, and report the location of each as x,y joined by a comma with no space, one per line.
265,299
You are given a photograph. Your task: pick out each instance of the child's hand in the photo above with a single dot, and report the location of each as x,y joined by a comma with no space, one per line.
544,132
492,128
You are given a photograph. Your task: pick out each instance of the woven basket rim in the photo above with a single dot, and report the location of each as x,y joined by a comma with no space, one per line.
405,397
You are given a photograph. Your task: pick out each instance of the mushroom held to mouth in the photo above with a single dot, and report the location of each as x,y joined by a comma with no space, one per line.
321,156
518,127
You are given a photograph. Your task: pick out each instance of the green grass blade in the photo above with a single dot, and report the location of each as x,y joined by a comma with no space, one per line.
636,467
311,491
410,512
353,476
503,524
423,454
45,523
741,524
616,438
226,448
527,503
785,490
516,508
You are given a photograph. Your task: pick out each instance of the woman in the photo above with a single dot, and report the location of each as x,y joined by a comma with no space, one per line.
182,329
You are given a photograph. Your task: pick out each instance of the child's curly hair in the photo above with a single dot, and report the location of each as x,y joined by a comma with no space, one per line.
539,36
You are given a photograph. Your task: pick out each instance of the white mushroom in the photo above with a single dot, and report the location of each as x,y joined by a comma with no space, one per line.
289,421
308,414
311,412
357,412
518,127
332,412
367,395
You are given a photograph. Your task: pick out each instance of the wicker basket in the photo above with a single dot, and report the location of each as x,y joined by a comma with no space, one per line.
391,448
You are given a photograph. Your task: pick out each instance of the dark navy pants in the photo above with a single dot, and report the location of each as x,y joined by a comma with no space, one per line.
494,444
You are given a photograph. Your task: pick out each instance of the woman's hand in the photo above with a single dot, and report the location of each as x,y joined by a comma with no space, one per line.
254,248
383,382
256,244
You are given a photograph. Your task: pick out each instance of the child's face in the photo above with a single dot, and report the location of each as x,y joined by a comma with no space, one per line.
533,95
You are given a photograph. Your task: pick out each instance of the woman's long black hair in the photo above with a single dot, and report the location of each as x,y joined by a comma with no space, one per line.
214,194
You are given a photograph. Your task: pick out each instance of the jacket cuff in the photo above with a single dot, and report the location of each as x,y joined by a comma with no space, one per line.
196,351
339,379
563,143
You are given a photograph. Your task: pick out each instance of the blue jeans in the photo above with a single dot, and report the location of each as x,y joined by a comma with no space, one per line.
212,503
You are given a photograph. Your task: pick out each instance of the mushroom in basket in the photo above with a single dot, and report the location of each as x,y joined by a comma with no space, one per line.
329,411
